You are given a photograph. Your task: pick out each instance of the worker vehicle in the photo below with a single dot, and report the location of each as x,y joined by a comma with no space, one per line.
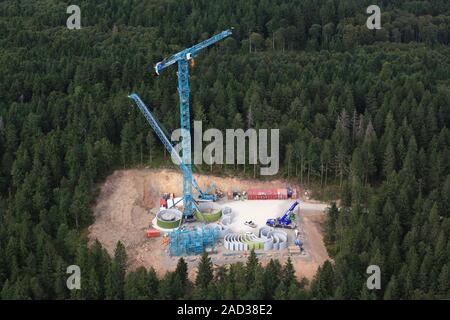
250,224
286,220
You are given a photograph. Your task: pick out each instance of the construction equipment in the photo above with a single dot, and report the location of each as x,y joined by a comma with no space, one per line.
239,195
287,220
166,142
208,195
182,58
250,224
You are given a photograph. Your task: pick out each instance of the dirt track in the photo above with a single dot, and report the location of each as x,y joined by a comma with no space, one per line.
121,213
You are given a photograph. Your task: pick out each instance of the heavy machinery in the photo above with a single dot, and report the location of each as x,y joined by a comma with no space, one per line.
208,195
286,220
183,58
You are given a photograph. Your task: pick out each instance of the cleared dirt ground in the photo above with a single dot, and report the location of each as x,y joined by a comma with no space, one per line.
122,214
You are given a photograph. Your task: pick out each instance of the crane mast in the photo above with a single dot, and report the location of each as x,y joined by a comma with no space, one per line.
182,58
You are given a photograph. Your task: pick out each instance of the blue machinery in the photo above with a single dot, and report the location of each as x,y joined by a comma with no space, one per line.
166,142
186,242
182,58
286,220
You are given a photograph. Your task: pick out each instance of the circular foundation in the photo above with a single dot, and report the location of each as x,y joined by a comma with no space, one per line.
208,212
169,218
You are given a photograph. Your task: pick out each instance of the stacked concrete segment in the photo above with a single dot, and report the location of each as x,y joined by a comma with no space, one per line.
275,239
269,239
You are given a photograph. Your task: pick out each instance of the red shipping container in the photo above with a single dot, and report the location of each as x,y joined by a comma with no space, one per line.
282,194
264,194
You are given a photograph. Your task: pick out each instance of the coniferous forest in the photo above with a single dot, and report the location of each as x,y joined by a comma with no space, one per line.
365,113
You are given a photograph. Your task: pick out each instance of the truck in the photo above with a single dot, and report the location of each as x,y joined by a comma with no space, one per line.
286,220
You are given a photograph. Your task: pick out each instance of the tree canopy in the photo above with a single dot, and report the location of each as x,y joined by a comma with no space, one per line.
363,112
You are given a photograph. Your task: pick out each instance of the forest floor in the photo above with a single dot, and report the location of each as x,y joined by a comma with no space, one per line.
122,213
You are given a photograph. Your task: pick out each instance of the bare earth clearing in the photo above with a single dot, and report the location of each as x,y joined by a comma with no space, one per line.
122,214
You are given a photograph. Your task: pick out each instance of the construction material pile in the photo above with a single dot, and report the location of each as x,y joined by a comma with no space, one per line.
269,239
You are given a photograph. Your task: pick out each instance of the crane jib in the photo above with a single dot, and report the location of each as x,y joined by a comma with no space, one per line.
293,206
192,51
159,132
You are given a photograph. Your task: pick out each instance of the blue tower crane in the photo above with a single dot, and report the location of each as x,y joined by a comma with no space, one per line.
182,58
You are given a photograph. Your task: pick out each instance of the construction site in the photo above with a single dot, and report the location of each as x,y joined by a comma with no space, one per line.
129,203
161,215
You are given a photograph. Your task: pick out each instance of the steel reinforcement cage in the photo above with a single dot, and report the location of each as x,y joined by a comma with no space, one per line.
192,242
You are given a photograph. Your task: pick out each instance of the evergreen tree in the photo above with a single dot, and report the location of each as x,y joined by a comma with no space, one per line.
271,278
250,268
204,274
288,275
116,274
